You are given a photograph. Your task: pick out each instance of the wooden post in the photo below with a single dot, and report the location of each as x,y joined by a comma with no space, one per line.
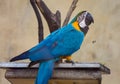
64,73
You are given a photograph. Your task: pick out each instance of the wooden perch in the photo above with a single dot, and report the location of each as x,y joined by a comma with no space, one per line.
71,9
53,20
40,24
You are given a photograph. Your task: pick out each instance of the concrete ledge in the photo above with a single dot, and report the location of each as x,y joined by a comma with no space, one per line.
90,73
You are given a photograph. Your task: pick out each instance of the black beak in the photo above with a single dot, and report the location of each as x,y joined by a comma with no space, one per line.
89,19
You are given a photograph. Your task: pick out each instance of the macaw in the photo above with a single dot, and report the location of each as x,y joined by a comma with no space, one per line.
61,43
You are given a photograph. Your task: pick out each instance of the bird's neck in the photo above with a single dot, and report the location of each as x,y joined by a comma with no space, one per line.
85,30
76,25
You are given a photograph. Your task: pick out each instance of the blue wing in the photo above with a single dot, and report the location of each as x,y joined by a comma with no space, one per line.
65,42
40,49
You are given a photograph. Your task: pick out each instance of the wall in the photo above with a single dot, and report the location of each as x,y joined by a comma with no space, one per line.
18,32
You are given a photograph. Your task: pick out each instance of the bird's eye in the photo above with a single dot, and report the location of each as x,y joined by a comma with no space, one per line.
80,18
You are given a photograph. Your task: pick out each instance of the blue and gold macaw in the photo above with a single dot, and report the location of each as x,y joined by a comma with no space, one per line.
61,43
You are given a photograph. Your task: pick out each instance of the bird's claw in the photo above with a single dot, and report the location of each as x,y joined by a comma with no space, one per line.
70,61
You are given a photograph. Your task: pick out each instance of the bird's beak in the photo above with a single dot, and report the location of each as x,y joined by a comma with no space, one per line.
90,17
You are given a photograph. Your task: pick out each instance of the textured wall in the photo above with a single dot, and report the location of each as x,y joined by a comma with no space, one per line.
18,32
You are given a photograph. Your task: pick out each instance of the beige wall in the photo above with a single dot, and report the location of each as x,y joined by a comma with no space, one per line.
18,32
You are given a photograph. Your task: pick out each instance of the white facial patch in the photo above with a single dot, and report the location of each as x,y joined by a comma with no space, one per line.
82,24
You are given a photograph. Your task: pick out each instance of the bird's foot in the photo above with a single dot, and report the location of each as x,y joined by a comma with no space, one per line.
70,61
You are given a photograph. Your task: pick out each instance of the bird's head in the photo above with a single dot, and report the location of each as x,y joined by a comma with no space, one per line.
84,19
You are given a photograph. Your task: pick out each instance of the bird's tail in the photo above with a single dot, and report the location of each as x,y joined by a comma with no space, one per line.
45,72
20,57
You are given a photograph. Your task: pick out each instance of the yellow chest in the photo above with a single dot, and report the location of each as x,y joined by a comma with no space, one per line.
76,26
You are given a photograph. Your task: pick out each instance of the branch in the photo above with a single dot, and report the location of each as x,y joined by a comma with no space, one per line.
71,9
53,20
40,24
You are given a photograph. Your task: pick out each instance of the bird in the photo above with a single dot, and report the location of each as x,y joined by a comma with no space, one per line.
61,43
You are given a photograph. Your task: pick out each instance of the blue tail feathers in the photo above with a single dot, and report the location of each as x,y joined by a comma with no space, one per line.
45,72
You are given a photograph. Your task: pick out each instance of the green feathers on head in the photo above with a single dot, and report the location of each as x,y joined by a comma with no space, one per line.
75,18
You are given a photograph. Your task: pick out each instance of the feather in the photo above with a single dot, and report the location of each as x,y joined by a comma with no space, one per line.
45,72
